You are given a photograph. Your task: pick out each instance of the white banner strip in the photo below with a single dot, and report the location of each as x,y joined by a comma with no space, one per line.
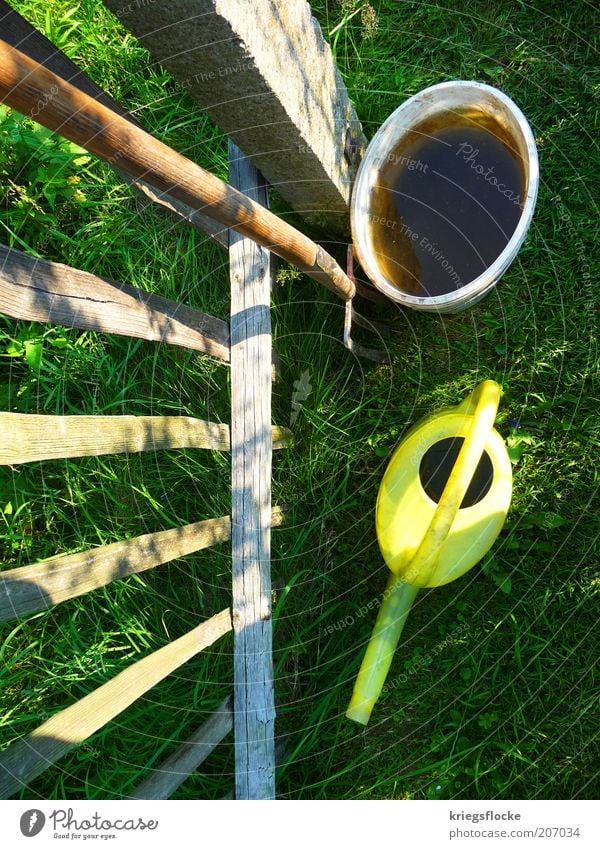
289,824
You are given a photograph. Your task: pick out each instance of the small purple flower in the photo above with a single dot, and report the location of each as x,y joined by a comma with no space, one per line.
514,423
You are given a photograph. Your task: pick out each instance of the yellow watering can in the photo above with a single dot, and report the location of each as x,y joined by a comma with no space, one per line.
442,503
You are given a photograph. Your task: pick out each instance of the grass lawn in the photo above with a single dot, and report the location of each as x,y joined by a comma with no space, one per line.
496,690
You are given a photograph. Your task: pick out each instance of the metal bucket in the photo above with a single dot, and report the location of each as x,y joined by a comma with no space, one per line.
439,99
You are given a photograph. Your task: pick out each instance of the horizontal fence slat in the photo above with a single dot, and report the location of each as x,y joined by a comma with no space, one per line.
27,437
39,586
164,781
37,290
24,760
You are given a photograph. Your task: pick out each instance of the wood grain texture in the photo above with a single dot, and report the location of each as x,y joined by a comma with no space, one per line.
26,437
164,781
24,760
280,753
36,290
251,453
30,87
40,586
19,33
240,60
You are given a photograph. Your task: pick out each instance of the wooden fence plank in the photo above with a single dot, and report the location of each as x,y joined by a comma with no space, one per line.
24,85
267,78
165,780
254,719
24,760
36,290
280,752
26,437
19,33
39,586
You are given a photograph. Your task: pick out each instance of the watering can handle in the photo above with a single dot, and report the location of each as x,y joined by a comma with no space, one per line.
481,405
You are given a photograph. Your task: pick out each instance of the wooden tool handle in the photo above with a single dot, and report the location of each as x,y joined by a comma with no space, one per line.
37,92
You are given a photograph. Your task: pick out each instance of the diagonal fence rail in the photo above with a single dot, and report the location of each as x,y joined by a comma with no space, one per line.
87,122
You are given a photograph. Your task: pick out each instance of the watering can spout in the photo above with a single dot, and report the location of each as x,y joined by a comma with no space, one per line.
395,607
426,565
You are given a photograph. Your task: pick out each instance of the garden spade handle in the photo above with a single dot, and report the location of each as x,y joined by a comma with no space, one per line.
35,91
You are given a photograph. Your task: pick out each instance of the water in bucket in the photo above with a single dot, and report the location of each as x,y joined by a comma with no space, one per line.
447,202
444,196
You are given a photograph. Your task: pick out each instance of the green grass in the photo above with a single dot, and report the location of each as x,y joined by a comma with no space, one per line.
495,693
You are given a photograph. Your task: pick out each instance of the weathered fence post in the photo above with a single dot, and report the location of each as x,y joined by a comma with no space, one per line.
265,75
251,452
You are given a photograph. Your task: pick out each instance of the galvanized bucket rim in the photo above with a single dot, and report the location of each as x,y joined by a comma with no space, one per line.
473,291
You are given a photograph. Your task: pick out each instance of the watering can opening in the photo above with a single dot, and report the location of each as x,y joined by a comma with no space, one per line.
437,464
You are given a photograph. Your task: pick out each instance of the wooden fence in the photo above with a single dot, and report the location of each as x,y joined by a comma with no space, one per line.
37,290
51,292
237,217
